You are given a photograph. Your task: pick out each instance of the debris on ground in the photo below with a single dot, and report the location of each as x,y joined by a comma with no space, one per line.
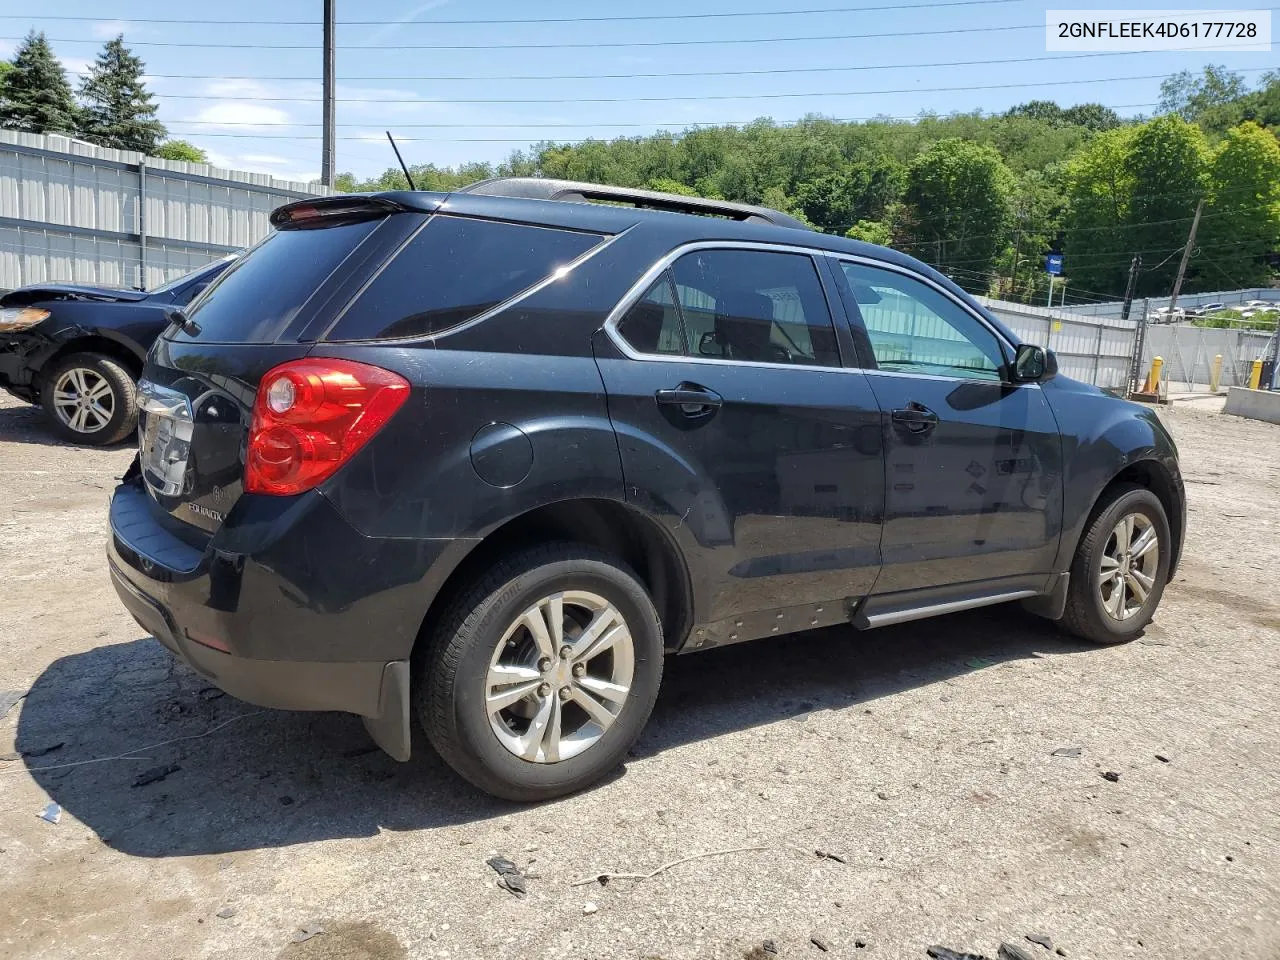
1041,939
9,699
946,953
589,908
306,933
820,943
42,751
211,693
1066,752
509,875
1112,776
1011,951
226,913
52,813
1163,759
286,801
825,855
155,774
770,947
860,944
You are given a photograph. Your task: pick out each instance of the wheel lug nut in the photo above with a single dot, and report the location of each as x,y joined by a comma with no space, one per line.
544,664
566,653
544,690
565,693
579,669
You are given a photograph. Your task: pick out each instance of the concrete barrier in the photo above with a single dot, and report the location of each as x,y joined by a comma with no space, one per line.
1254,404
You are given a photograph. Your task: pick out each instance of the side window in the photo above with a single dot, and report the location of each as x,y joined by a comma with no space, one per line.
914,328
756,306
455,269
653,325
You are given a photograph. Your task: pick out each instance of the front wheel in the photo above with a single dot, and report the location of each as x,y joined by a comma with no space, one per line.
1120,568
542,674
90,399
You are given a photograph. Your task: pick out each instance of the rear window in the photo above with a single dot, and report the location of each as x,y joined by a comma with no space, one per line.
257,297
455,269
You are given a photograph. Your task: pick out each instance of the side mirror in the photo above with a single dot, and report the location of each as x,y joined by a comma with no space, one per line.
1034,364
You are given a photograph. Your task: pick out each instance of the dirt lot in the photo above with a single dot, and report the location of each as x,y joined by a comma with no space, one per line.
921,755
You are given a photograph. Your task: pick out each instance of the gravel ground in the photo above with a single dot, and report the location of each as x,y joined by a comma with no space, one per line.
921,756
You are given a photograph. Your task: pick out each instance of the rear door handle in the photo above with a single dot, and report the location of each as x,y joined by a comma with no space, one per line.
916,417
693,399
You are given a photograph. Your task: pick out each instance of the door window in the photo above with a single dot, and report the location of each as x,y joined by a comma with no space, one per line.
748,305
914,328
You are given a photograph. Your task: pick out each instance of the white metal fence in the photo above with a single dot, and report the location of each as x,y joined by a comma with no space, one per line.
74,212
1188,353
1186,301
1096,350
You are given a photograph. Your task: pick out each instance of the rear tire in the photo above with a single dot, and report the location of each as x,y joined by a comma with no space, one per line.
527,714
1116,584
90,399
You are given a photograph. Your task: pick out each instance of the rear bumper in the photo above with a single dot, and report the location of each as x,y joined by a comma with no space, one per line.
311,616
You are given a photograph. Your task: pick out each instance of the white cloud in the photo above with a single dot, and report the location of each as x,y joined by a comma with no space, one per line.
256,163
266,159
240,115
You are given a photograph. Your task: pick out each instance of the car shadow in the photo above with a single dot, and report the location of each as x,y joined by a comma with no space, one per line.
25,423
227,777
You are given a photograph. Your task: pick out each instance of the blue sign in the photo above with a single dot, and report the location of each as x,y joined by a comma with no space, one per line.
1053,264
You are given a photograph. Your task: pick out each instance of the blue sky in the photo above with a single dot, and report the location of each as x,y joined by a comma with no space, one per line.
259,109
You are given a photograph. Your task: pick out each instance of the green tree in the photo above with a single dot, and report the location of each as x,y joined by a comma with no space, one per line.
1099,192
957,205
1168,161
180,150
118,110
871,231
668,185
1092,116
37,97
1243,225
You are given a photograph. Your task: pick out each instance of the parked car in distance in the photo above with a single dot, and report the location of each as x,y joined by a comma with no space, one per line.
485,458
77,350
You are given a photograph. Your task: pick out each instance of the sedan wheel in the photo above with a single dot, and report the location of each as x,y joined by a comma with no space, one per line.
83,400
90,398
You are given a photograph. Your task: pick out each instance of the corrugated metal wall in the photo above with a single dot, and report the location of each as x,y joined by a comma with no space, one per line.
1187,301
74,212
1095,350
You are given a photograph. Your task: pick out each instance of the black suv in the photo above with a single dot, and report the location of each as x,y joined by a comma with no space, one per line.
485,457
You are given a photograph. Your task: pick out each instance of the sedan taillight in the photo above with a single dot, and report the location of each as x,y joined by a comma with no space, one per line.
311,416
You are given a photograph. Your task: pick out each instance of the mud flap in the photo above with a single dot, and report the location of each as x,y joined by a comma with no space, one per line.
1052,604
390,729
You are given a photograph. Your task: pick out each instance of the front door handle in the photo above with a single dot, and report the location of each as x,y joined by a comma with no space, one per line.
915,417
694,400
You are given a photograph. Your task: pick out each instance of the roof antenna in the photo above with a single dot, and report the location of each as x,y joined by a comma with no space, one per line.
407,175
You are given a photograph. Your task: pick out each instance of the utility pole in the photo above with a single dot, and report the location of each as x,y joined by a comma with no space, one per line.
328,158
1186,255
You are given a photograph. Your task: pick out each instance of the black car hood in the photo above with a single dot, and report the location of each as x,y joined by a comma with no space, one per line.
42,292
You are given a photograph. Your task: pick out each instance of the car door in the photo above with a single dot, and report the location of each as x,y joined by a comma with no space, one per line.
739,423
973,463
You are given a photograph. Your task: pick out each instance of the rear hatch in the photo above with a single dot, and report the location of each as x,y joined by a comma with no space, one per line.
197,393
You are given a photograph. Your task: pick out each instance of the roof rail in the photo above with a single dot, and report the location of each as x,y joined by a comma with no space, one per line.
537,188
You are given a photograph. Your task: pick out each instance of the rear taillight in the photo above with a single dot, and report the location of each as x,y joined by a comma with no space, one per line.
311,416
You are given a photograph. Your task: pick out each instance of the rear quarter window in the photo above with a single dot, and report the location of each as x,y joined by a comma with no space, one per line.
454,269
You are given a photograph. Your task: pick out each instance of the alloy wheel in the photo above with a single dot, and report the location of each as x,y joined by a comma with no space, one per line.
1128,566
84,400
559,676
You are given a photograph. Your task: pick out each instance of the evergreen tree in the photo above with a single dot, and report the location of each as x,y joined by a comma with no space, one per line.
118,110
36,96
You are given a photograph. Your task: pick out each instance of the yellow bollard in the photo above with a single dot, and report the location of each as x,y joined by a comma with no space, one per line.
1153,380
1216,377
1255,375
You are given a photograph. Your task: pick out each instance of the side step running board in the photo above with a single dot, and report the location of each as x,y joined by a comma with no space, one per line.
866,622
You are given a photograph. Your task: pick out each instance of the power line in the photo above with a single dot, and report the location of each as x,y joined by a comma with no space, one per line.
473,78
592,45
736,96
527,20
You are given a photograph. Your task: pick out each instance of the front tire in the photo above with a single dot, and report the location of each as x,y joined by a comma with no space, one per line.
90,399
542,674
1120,568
